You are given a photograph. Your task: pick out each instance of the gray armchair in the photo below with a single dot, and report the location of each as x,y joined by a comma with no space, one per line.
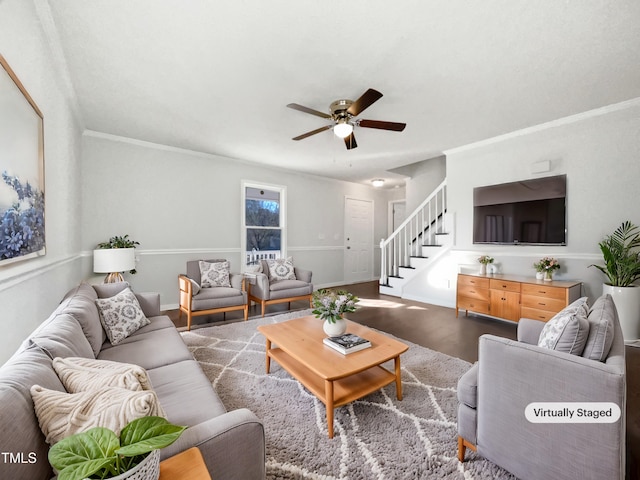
509,375
196,301
267,291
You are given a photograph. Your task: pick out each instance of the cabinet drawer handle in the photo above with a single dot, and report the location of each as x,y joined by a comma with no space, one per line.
472,291
542,291
543,304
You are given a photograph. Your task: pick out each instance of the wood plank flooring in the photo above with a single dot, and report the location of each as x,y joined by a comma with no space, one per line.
438,328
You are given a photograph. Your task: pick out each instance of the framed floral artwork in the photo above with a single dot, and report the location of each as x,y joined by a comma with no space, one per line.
22,171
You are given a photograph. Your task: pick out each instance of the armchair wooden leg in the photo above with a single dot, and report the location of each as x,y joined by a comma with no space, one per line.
188,320
246,312
264,306
462,447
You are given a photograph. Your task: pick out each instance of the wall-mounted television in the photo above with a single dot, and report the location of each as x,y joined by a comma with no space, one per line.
528,212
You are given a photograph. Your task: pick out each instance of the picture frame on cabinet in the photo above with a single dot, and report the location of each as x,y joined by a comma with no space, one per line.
22,202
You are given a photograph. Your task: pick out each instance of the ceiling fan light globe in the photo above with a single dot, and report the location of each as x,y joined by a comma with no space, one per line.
343,130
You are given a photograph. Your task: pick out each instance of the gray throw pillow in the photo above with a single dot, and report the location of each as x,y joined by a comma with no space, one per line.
281,269
601,320
568,330
214,274
121,315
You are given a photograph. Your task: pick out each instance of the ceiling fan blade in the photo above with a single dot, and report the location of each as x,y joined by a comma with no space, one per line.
367,99
396,127
312,132
350,141
301,108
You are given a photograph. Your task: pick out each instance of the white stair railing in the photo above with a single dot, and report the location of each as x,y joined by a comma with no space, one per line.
420,228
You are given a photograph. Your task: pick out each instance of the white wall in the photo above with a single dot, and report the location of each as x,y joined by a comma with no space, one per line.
182,205
600,154
30,290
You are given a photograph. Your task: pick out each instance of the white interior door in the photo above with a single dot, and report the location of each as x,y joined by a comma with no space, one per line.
358,238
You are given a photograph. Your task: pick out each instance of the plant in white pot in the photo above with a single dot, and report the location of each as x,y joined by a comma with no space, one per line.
330,306
621,253
100,453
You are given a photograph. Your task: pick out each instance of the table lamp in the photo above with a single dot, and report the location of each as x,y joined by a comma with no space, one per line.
114,261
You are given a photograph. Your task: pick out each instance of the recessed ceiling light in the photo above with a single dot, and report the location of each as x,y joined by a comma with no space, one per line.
378,182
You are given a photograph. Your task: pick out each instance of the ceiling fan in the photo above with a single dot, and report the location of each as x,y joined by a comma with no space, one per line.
343,113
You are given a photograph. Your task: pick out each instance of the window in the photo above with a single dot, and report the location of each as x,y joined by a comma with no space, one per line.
263,226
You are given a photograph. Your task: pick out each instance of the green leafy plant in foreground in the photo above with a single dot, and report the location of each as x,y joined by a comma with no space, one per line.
100,453
621,255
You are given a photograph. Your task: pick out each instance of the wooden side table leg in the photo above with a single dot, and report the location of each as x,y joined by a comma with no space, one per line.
396,362
268,357
328,393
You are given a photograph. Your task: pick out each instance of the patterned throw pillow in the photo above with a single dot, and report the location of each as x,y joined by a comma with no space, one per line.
121,315
568,330
61,414
214,274
281,269
79,374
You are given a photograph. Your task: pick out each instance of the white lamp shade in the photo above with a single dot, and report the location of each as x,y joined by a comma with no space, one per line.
343,130
110,260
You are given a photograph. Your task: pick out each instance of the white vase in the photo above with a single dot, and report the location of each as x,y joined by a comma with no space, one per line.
627,302
539,275
147,469
483,269
333,329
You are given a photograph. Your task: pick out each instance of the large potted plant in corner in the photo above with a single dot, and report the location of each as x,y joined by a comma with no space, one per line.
621,253
100,453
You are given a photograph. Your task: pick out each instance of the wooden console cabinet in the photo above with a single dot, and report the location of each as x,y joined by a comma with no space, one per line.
512,297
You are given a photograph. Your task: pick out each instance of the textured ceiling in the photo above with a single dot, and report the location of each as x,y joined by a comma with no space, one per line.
216,77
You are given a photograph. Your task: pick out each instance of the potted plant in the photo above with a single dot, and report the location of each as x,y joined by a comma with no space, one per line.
484,261
115,256
621,255
546,266
100,453
330,306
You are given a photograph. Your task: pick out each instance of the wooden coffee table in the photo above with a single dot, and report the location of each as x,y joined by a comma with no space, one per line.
335,379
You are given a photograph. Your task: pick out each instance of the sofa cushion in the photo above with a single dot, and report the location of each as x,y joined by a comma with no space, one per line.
62,336
81,374
214,274
289,288
468,387
121,315
218,297
568,330
18,423
172,381
80,304
602,317
144,349
281,269
61,414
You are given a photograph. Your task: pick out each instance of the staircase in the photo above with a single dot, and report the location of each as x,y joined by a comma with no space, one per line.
416,243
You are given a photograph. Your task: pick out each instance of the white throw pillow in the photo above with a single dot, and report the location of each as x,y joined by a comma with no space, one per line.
121,315
61,414
214,274
281,269
568,330
79,374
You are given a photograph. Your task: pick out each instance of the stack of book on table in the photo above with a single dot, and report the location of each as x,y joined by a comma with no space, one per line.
347,343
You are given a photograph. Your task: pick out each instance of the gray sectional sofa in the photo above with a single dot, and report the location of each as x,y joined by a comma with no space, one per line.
232,443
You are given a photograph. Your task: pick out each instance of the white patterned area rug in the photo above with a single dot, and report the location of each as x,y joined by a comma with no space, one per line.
376,437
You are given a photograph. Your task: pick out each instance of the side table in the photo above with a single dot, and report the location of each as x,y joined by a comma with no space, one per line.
187,465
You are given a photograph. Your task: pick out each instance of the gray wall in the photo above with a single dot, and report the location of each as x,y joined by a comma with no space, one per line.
600,154
182,205
31,289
